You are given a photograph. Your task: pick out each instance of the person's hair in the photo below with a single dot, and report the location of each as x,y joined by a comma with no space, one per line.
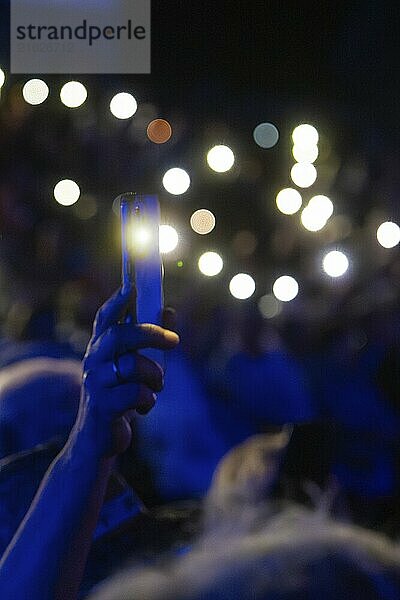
39,399
245,475
295,554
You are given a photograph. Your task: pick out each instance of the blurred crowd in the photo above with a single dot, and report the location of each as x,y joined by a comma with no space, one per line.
250,437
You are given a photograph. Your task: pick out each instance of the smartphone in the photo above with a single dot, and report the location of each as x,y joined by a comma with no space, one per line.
141,261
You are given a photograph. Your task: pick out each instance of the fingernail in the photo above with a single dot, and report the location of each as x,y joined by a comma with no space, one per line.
171,336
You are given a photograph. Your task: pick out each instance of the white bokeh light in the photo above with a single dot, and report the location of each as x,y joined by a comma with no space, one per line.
289,201
285,288
388,234
242,286
35,91
303,174
67,192
210,264
322,205
168,239
335,263
312,220
123,105
220,159
202,221
305,135
2,77
176,181
308,154
73,94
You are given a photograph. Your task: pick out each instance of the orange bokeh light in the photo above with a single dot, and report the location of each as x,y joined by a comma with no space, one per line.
159,131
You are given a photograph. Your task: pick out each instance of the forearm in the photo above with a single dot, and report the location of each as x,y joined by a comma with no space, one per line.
46,558
47,555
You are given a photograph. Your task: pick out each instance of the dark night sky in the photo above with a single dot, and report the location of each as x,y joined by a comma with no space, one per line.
340,54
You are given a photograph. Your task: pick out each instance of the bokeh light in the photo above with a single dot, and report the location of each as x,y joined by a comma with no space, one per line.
35,91
2,77
269,306
67,192
220,159
123,105
305,135
210,264
73,94
242,286
335,263
289,201
244,243
312,220
285,288
388,234
266,135
322,206
303,174
308,154
86,208
159,131
169,239
176,181
202,221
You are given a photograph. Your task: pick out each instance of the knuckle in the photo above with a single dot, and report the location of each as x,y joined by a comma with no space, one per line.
90,379
150,330
111,335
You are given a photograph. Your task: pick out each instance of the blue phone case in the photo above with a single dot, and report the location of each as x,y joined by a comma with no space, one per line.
141,260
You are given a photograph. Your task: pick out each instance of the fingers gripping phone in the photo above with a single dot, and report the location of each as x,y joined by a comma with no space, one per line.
141,260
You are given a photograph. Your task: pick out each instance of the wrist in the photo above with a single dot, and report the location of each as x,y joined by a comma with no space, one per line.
90,436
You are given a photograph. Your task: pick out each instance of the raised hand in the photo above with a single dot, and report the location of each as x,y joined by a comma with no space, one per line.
117,379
